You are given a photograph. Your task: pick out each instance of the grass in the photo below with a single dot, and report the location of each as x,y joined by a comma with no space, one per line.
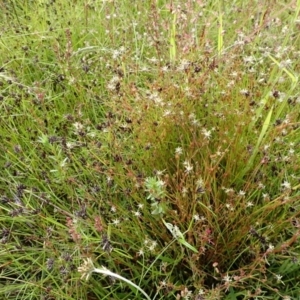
156,142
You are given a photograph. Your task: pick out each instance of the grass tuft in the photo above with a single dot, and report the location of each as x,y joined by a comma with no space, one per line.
157,142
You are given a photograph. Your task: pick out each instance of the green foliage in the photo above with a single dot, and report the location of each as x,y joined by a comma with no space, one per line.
154,141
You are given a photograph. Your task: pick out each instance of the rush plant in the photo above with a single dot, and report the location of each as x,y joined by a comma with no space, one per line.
159,139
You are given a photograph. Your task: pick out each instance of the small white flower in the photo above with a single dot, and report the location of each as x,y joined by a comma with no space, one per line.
229,190
86,269
278,278
165,69
159,172
242,193
196,217
153,60
244,91
188,294
161,183
184,191
115,54
249,59
141,252
200,183
192,116
137,213
116,221
202,218
63,162
266,196
70,145
178,151
78,126
153,245
201,292
195,122
163,283
188,167
167,112
206,133
227,278
286,185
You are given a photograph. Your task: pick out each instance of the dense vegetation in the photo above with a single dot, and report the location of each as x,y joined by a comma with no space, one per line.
154,140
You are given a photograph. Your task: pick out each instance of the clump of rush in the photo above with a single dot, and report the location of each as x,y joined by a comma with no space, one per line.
149,150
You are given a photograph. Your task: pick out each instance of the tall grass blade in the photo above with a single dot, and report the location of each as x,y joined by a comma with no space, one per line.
173,39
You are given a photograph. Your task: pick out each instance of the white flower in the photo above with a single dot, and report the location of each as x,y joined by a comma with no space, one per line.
242,193
137,213
188,167
201,292
249,59
229,190
206,133
266,196
86,269
78,126
159,172
153,60
184,191
196,217
244,91
153,245
178,151
195,122
291,151
278,278
227,278
165,69
116,221
286,185
141,252
167,112
70,145
163,283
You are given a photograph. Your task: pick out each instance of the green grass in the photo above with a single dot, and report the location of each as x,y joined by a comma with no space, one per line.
156,142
